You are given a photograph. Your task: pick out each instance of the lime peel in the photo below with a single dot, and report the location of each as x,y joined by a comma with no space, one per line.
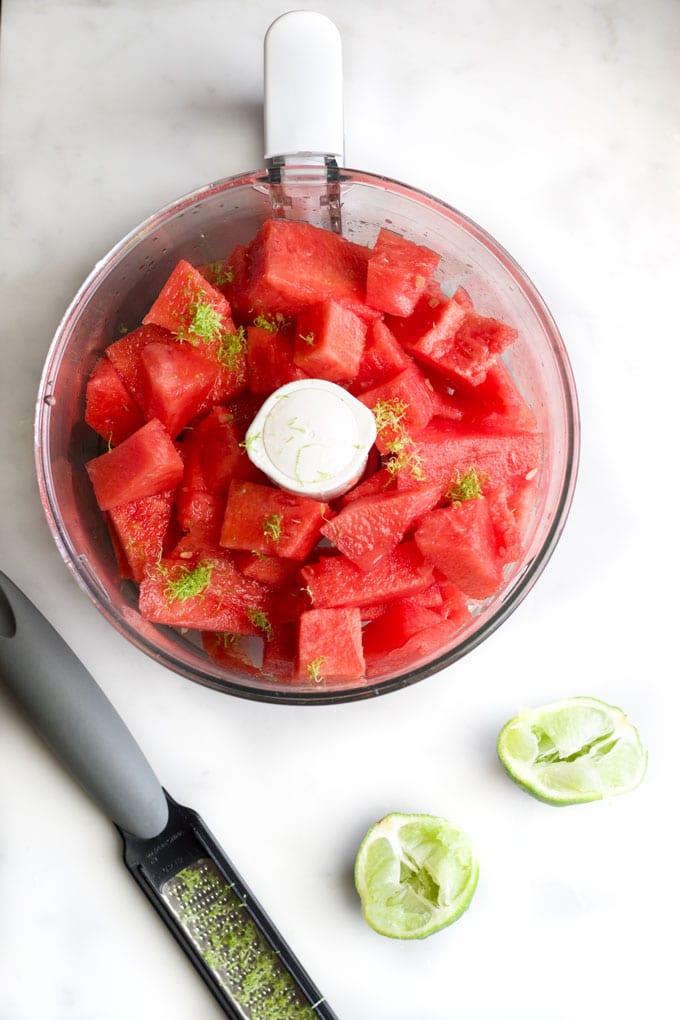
572,751
415,874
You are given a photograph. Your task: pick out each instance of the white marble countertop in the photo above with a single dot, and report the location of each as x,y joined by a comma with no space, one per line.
556,126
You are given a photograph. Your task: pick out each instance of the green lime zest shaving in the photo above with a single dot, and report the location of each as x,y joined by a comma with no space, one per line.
250,441
187,582
272,526
228,639
389,422
465,486
259,619
314,669
219,273
206,323
272,323
231,346
215,916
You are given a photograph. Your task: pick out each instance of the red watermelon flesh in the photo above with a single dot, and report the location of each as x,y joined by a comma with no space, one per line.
124,355
379,482
398,623
229,276
232,651
329,342
279,652
406,397
190,307
336,581
459,541
210,594
383,358
214,454
329,645
140,530
501,460
292,264
144,464
398,272
496,402
466,352
434,318
176,379
366,530
422,647
270,360
110,409
260,518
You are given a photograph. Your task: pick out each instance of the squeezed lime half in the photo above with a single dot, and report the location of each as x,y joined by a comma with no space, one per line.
415,874
573,751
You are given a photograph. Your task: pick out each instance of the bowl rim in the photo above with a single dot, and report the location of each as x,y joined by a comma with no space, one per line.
289,693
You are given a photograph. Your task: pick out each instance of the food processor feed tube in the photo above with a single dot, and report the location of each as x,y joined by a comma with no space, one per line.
303,117
200,896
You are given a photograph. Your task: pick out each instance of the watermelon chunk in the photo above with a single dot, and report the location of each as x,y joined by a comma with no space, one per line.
292,264
125,355
420,647
329,342
229,276
262,519
279,652
467,353
274,571
459,541
190,307
503,460
214,454
398,272
378,482
496,403
329,645
434,318
200,315
210,594
395,626
334,581
383,358
270,360
144,464
233,651
109,407
366,530
140,529
176,379
402,406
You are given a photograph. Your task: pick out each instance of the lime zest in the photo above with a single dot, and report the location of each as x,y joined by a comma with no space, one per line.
206,323
259,619
271,323
214,915
314,669
186,582
231,346
465,486
390,426
272,527
220,273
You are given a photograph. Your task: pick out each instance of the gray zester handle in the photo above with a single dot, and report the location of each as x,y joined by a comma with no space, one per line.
76,718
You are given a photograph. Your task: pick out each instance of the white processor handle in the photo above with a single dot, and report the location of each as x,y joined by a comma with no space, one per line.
303,105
